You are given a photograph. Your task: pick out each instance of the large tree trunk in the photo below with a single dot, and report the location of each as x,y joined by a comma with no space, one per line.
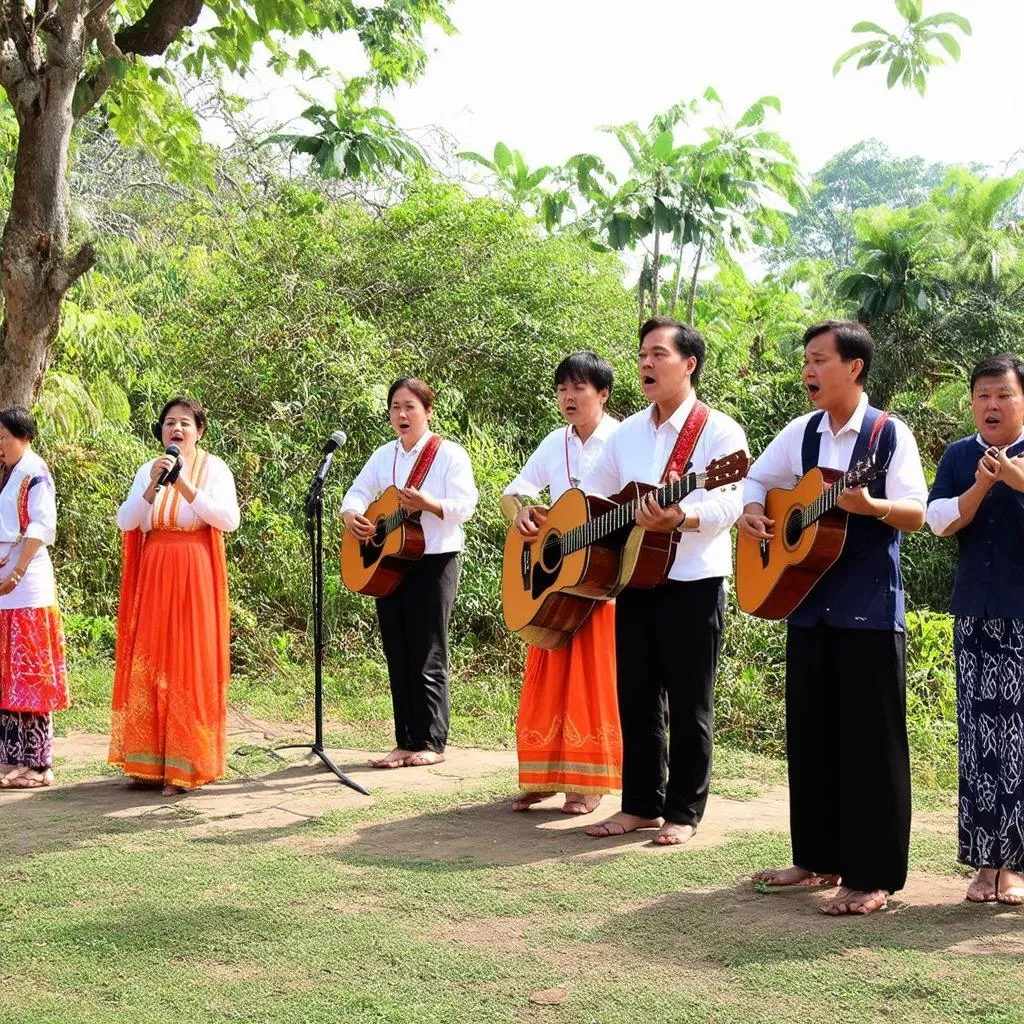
36,274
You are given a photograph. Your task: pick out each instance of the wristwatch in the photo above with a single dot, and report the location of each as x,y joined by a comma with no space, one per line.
682,512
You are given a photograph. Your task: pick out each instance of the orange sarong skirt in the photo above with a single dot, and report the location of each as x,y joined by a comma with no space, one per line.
172,661
567,732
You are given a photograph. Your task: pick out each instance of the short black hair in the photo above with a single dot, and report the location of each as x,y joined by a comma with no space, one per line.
998,366
194,407
585,368
688,340
853,341
19,422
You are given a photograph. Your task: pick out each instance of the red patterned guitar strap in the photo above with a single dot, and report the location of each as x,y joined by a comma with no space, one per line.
682,451
883,418
424,462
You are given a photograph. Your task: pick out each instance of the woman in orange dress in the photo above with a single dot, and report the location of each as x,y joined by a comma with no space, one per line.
173,661
33,674
567,732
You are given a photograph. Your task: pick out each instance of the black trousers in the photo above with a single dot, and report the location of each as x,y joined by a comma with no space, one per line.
414,629
849,760
667,641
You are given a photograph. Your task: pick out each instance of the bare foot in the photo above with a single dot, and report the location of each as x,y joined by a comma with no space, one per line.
27,778
135,783
983,888
525,800
854,901
422,758
1010,888
619,824
794,876
581,803
173,790
396,759
674,834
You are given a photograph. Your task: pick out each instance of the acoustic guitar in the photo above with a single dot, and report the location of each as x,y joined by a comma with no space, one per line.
376,566
774,576
590,547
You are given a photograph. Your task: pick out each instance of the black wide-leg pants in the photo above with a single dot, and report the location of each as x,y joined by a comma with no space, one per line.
667,641
849,760
414,629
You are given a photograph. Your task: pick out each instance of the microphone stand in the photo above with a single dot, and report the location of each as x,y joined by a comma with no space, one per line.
315,531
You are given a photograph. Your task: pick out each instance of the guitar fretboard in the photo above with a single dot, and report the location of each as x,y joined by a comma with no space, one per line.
624,515
393,521
861,474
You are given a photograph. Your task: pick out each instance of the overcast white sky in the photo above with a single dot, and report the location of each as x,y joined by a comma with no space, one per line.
542,74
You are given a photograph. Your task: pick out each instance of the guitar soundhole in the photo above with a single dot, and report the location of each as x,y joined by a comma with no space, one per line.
793,528
371,549
551,552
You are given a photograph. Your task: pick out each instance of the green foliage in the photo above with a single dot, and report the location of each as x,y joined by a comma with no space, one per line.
353,141
931,698
292,319
896,259
863,176
512,174
908,54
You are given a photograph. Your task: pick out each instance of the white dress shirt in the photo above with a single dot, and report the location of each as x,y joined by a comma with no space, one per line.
639,451
450,481
943,512
781,463
36,588
215,504
562,460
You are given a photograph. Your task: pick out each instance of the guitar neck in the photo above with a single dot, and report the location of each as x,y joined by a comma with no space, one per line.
827,500
395,520
624,515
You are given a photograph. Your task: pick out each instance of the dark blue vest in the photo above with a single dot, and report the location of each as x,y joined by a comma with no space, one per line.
864,588
990,571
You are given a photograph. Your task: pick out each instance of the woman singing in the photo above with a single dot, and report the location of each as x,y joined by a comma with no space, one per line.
33,675
172,661
436,480
567,733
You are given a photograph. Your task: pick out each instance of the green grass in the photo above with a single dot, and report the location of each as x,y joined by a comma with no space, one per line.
357,703
147,921
159,918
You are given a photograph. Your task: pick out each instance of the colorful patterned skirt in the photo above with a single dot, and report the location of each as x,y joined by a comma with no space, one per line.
990,722
567,733
33,684
169,720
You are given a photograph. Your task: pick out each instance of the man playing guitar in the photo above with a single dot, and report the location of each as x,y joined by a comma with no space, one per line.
846,735
667,638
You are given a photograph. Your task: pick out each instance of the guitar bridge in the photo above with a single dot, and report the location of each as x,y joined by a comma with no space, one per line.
525,566
763,545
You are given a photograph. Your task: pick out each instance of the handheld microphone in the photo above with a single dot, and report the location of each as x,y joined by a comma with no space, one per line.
334,442
169,475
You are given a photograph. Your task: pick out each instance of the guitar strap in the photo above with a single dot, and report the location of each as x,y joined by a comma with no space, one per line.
682,451
883,418
812,438
424,461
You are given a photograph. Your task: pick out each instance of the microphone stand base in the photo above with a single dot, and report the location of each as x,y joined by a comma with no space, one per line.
319,751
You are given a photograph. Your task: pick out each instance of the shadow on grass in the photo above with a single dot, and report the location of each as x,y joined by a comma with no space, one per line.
738,926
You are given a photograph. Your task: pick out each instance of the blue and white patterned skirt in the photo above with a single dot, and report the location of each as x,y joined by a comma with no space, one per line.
990,718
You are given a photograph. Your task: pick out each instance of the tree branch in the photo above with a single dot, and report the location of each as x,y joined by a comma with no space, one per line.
97,26
159,26
67,272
